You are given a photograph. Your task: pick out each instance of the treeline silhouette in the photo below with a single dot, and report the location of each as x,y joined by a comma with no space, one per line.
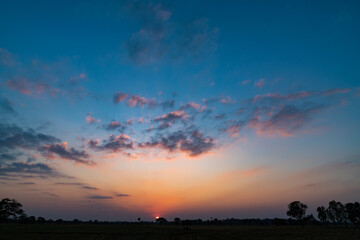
335,214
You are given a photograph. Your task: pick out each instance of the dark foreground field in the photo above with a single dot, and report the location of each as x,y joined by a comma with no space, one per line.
102,232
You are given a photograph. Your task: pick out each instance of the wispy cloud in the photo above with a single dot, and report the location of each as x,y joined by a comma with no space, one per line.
62,151
6,57
289,119
260,83
99,197
6,106
28,169
161,38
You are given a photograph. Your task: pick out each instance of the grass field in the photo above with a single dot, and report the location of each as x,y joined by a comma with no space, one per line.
108,232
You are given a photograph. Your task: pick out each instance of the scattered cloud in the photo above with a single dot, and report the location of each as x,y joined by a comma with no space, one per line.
113,144
191,142
91,119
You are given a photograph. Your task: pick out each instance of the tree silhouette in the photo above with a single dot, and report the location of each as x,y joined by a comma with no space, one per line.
297,210
336,212
353,212
10,209
41,220
322,214
177,221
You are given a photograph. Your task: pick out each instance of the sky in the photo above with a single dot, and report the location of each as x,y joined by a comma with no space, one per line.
114,110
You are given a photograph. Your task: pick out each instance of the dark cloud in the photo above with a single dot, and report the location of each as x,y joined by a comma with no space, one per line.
39,169
69,183
115,125
191,142
113,144
8,157
122,195
167,120
89,188
26,183
12,137
99,197
61,150
6,106
219,116
167,104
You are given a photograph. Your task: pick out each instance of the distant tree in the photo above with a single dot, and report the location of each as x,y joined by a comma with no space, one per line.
31,219
297,210
186,224
10,209
41,220
309,219
161,220
353,212
139,219
76,221
336,212
59,221
177,221
322,214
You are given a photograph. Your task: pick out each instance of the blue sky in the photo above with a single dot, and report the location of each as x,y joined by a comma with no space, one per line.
134,105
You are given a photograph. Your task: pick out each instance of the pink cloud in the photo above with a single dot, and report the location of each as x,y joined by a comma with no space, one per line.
120,97
90,118
245,82
137,100
24,86
140,120
173,116
233,131
227,100
260,83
